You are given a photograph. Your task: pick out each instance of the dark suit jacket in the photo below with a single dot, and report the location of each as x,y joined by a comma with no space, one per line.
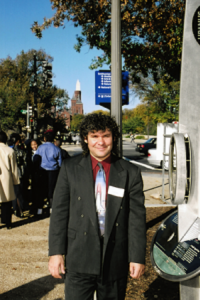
74,227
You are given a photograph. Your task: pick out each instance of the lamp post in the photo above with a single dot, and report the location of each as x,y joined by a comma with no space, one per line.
116,67
35,97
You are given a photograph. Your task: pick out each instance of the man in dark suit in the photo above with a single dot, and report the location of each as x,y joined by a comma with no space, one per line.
102,236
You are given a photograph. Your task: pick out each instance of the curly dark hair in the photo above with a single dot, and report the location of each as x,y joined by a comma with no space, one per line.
95,122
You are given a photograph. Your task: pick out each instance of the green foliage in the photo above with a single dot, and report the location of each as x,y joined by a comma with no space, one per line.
160,101
163,102
134,124
101,111
151,33
160,104
16,76
76,120
140,137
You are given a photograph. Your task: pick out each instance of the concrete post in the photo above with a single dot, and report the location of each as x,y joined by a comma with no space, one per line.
189,116
116,67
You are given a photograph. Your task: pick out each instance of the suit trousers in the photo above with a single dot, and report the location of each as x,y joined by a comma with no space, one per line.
80,286
6,213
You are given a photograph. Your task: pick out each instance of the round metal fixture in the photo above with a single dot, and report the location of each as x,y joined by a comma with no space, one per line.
179,168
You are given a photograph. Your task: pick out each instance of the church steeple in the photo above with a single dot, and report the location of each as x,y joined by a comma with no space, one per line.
76,103
78,86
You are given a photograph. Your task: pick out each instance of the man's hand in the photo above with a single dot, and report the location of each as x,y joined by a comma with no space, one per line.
136,270
56,265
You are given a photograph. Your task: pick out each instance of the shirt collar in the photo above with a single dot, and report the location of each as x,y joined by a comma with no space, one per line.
104,163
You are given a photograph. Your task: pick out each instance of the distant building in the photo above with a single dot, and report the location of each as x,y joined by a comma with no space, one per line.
76,106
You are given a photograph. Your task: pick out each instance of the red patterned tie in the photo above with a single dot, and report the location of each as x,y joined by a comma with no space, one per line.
100,194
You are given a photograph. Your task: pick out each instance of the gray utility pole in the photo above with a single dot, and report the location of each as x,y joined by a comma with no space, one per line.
189,122
28,122
35,98
116,67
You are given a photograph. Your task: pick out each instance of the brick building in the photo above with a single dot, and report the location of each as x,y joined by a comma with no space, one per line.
76,106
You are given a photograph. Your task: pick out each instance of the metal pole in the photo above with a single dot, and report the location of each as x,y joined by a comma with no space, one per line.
148,119
35,98
27,121
116,67
163,165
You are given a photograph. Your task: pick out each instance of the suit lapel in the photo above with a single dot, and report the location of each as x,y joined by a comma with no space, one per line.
117,178
86,184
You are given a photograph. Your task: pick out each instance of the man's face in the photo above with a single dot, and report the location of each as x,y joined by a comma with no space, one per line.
100,144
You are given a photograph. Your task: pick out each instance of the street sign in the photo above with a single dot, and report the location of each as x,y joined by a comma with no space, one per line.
103,88
23,111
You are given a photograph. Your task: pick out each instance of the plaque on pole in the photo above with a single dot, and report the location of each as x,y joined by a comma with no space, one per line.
173,259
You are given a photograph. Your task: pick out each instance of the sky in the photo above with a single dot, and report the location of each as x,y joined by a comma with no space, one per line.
16,19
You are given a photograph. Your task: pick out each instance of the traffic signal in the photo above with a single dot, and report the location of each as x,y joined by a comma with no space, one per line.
33,81
47,74
30,111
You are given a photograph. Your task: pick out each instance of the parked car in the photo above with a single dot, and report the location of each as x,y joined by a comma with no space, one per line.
155,158
144,147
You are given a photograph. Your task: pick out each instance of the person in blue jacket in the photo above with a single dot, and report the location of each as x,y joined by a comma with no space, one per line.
51,159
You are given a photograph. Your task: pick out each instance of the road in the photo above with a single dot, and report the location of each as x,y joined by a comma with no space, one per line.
128,152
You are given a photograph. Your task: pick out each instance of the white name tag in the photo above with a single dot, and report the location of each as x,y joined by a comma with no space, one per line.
115,191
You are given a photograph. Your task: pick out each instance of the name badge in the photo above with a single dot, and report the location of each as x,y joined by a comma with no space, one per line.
115,191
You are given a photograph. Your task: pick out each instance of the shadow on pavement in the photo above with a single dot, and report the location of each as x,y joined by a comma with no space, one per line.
160,218
34,290
167,290
134,157
28,219
153,188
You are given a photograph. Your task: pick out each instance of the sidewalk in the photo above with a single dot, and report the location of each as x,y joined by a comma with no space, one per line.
153,190
24,271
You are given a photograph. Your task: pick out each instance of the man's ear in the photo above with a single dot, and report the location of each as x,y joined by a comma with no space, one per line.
85,140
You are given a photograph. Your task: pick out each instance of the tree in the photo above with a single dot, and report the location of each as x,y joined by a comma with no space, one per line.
76,120
151,32
162,102
127,114
104,112
134,124
16,78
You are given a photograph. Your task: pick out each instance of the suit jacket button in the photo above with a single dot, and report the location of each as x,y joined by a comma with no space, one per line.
85,233
79,198
82,216
117,224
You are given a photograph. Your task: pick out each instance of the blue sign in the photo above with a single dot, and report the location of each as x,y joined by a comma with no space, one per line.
103,88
